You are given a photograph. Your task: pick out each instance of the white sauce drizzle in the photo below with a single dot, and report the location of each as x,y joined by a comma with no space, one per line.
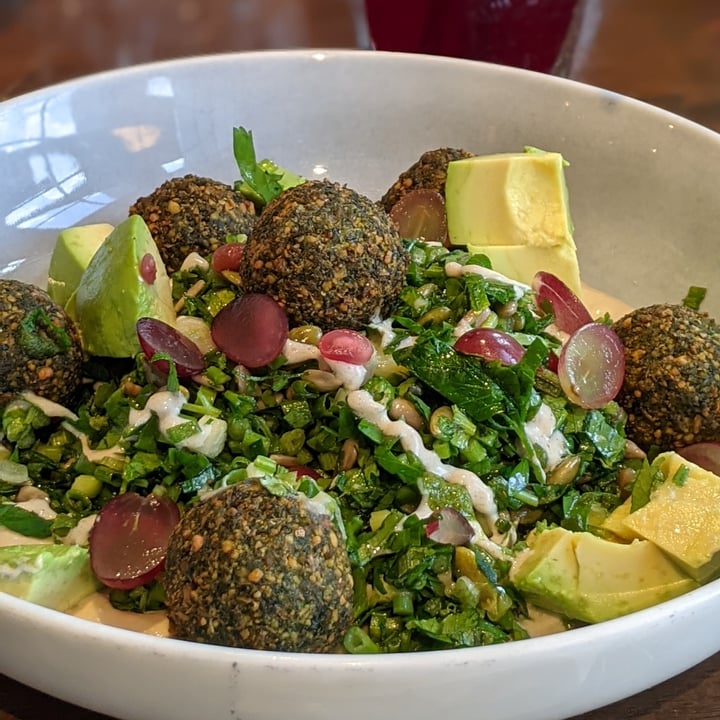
469,321
195,261
363,405
542,431
166,405
351,376
384,328
296,352
50,408
80,534
455,269
40,506
95,456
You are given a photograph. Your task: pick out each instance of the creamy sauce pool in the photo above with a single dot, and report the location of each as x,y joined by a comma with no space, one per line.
598,303
97,608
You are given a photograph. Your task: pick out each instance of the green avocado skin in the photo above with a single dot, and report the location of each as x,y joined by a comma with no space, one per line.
54,576
73,251
584,577
113,293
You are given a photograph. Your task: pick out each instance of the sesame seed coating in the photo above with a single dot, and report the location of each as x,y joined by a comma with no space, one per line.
249,569
429,172
671,390
329,255
40,349
193,214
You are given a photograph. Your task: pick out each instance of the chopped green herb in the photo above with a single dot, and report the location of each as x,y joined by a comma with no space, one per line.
695,297
24,521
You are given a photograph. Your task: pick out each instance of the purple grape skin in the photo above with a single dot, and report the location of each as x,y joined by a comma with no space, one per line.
156,336
251,330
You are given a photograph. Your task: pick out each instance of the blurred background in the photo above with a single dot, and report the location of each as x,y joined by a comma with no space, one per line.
666,52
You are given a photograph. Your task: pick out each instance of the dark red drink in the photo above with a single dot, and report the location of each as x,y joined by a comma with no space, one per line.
524,33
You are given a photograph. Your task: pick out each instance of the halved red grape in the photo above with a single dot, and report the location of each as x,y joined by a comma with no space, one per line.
421,214
304,471
129,539
227,257
251,330
490,344
704,454
552,361
345,346
449,527
591,366
570,313
148,268
156,336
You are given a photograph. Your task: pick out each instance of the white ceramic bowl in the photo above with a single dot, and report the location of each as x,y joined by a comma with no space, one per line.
645,198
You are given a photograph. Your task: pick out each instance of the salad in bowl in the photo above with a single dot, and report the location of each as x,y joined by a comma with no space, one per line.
282,415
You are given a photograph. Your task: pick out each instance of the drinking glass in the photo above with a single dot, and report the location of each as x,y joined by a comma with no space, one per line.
533,34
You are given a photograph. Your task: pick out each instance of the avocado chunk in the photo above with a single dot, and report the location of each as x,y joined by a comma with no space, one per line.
72,252
682,517
587,578
513,207
55,576
615,523
124,281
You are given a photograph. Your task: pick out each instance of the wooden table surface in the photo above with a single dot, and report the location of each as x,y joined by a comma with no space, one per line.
666,52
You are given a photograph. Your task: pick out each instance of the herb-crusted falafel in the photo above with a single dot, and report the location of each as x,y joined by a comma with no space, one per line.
671,390
40,349
245,568
428,173
193,214
329,255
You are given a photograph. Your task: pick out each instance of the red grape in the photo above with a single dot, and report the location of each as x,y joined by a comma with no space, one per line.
449,527
251,330
490,344
129,539
552,361
304,471
345,346
570,313
591,366
704,454
156,336
227,257
148,268
421,214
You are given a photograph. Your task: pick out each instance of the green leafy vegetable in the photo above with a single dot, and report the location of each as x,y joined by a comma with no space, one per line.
648,478
695,297
261,181
410,592
24,521
40,337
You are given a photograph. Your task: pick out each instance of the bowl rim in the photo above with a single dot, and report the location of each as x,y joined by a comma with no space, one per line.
336,54
55,622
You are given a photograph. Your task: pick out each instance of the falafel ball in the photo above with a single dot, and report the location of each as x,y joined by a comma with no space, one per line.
193,214
329,255
429,173
40,348
245,568
671,391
